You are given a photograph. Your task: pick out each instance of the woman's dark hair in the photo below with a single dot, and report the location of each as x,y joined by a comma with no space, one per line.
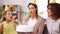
35,7
55,9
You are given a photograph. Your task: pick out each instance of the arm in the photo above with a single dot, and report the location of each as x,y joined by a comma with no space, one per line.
1,28
41,28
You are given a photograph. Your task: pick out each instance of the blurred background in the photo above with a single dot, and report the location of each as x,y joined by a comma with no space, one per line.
13,4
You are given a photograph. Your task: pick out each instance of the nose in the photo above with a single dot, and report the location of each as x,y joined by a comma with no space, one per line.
11,15
30,9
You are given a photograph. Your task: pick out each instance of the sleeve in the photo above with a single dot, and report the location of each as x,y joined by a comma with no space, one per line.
41,27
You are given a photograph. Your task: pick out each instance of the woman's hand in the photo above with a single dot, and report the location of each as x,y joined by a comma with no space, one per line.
24,23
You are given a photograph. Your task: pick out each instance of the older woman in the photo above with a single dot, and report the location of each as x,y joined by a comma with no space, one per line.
53,21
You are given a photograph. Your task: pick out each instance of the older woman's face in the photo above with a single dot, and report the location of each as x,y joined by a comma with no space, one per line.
49,12
32,9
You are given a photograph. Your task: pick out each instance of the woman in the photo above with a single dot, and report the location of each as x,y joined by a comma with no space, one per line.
53,21
34,22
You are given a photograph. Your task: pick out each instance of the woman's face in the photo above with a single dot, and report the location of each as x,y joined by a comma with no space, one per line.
8,15
32,10
49,11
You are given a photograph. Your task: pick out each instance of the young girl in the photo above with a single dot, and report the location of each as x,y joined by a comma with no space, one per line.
7,25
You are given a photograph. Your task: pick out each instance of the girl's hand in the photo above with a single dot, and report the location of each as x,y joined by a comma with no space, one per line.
17,21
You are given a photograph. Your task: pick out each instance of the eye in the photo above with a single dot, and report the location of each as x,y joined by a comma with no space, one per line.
32,8
8,13
29,8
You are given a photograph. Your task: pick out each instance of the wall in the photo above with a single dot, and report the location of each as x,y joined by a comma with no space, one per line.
23,3
1,2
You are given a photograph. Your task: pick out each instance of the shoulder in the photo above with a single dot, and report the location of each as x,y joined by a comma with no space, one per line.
58,20
40,18
48,18
3,22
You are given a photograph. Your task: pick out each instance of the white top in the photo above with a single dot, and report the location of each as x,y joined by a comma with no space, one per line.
28,27
53,26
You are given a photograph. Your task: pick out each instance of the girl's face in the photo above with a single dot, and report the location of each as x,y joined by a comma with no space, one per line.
8,15
32,10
